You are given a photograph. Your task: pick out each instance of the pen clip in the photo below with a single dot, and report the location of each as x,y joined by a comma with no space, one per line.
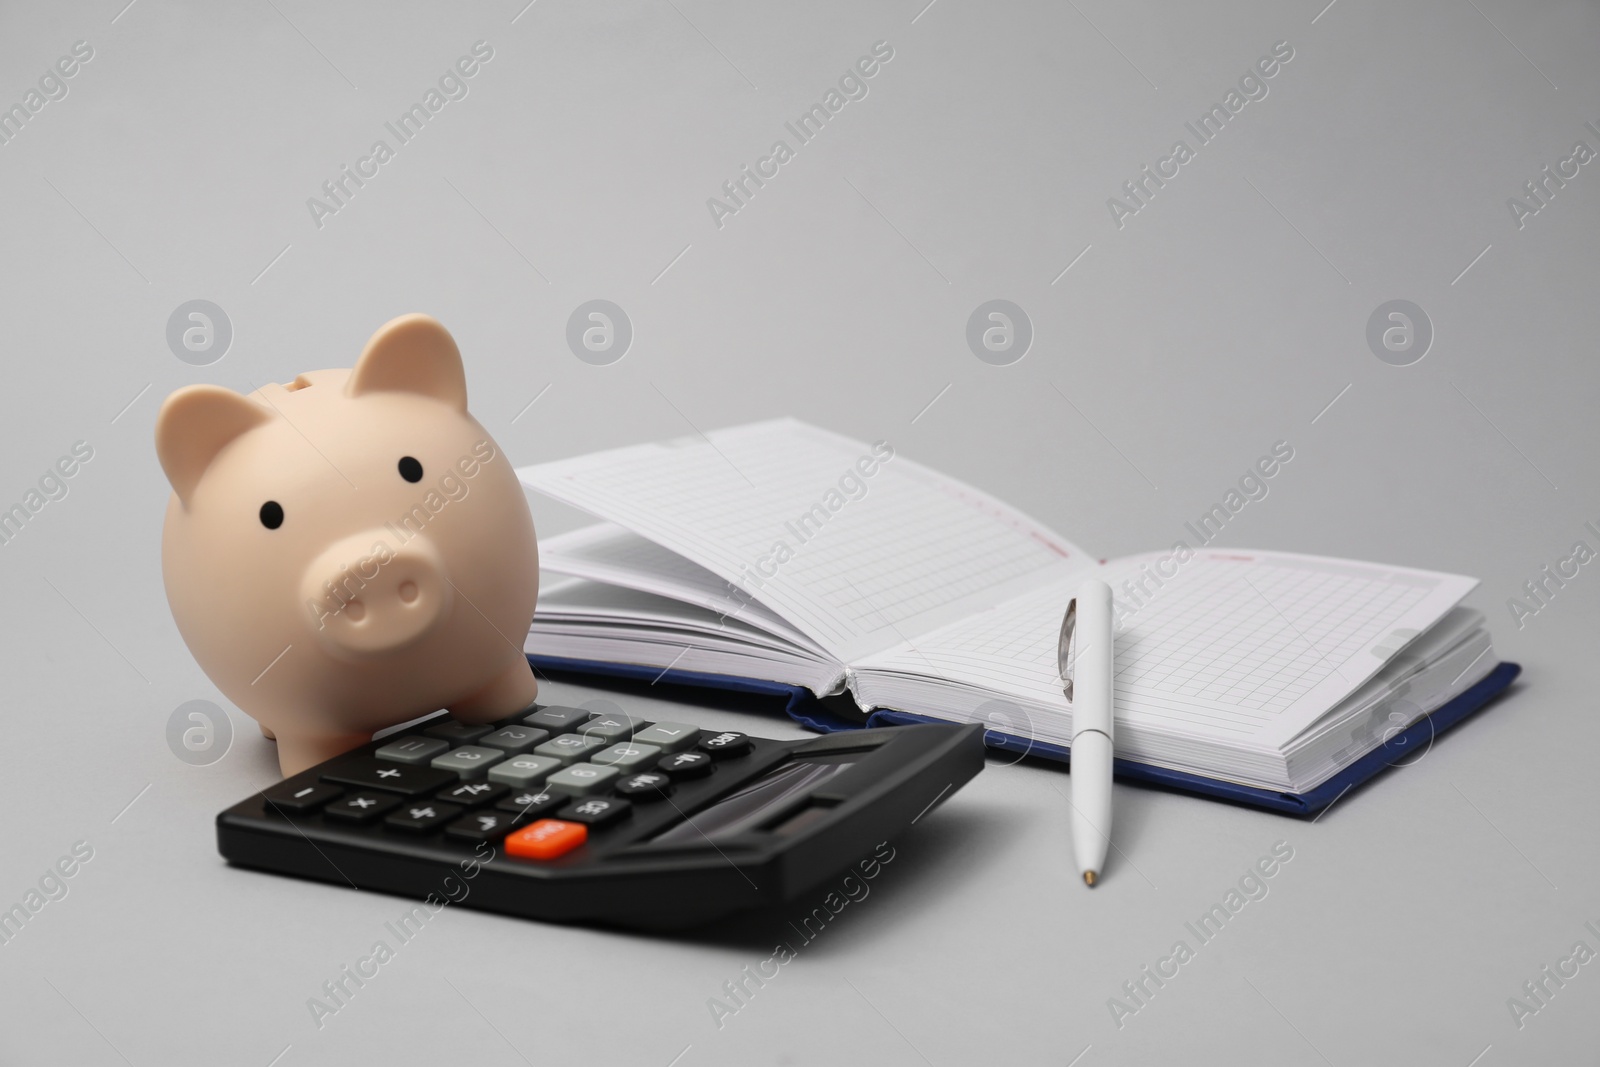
1069,623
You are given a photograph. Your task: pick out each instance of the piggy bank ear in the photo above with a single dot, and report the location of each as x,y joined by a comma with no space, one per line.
412,354
194,425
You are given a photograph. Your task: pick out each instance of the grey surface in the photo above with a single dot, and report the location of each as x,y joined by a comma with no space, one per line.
1227,314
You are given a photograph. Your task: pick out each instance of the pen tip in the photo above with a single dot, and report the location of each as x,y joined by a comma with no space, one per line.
1089,878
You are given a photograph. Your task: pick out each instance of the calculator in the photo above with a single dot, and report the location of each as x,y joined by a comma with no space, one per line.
563,815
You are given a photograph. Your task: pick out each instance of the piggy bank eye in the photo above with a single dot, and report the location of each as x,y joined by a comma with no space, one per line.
272,514
410,469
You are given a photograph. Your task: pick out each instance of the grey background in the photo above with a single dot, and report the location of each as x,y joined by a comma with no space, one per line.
1226,315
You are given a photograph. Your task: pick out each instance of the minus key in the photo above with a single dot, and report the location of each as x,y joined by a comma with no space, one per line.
297,798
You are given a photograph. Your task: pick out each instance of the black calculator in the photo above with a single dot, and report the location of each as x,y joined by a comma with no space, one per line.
563,815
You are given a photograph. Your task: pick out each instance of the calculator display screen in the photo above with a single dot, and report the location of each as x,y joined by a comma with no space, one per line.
754,804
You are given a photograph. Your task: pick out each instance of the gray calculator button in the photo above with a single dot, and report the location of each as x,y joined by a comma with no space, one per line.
669,736
515,738
610,727
523,771
569,748
418,750
469,761
626,754
556,719
580,779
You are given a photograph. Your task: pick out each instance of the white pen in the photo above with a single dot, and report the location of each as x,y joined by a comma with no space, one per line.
1089,689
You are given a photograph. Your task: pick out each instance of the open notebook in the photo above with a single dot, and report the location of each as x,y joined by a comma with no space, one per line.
784,552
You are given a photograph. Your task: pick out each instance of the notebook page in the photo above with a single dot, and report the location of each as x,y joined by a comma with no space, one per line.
1243,647
584,620
605,552
569,604
853,544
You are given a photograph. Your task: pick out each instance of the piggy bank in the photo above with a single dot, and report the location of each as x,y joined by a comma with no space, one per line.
351,550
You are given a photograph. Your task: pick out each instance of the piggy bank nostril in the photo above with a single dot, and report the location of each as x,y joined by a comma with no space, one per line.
362,603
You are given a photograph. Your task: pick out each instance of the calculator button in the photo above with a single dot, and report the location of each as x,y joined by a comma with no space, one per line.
515,738
546,839
470,761
458,733
669,736
569,748
581,778
483,826
420,816
360,807
472,794
686,765
725,745
533,803
297,800
610,727
418,750
645,787
522,772
400,778
557,719
595,812
625,755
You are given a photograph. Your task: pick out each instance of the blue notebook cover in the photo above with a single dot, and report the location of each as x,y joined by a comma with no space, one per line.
804,707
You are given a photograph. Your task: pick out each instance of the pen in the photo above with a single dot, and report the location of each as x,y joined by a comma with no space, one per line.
1088,686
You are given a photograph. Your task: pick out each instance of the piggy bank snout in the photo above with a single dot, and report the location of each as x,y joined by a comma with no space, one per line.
364,597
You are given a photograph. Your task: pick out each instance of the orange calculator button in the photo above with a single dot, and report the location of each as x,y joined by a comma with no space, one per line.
546,839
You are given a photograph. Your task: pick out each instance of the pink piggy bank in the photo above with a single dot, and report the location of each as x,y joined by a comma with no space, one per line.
351,550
